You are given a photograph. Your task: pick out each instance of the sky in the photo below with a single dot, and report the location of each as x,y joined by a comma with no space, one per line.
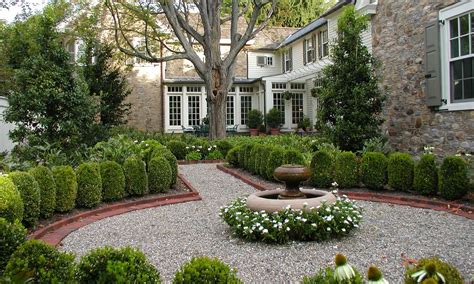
9,14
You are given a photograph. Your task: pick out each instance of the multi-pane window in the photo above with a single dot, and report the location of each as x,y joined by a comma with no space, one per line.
461,36
175,110
246,89
287,60
278,86
323,44
230,110
194,113
297,113
193,89
309,50
175,89
279,103
297,86
245,107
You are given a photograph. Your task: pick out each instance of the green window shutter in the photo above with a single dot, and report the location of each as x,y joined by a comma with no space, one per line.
305,60
291,58
313,38
432,65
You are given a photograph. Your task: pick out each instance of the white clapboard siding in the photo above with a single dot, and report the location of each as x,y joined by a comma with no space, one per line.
5,143
255,71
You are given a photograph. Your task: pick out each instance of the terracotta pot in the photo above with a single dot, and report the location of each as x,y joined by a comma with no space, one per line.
274,131
253,132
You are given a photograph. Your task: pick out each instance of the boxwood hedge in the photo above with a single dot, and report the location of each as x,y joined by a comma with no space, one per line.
453,178
374,170
47,187
11,204
159,175
66,188
30,193
136,178
322,169
400,171
346,172
425,180
89,185
113,180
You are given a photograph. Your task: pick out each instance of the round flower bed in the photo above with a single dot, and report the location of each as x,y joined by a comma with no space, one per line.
320,223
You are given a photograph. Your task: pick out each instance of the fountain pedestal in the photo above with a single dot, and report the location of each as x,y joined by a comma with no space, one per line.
292,176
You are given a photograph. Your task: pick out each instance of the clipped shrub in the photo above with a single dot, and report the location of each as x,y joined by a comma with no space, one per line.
66,188
178,148
425,179
400,171
193,156
165,153
112,265
11,236
276,159
205,270
224,147
449,272
233,156
453,178
89,185
44,262
159,175
30,194
113,180
263,160
346,170
374,170
322,168
148,148
250,158
136,179
47,187
254,158
11,204
294,157
214,155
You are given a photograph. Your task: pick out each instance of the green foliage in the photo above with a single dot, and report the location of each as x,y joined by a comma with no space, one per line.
274,118
47,187
453,178
400,171
66,188
327,277
178,148
159,175
349,97
255,119
253,158
46,262
116,149
165,153
346,172
149,148
205,270
233,156
11,236
89,185
30,194
193,156
449,272
224,147
294,157
425,180
322,168
107,82
136,179
214,155
11,204
111,265
244,154
263,160
113,180
276,159
377,144
374,170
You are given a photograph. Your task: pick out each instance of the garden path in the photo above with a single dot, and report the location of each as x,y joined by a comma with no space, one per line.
171,235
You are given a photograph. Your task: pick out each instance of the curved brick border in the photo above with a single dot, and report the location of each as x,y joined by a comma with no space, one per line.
54,233
413,201
186,162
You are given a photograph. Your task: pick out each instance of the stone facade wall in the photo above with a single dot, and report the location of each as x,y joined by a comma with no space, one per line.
398,41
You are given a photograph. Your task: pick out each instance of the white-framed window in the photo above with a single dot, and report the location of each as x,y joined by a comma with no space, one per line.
323,44
278,86
230,111
175,89
297,86
174,108
309,50
265,61
194,110
297,112
245,107
457,56
246,89
279,103
287,60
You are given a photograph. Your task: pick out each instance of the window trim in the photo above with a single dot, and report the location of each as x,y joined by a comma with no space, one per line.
287,58
445,15
306,43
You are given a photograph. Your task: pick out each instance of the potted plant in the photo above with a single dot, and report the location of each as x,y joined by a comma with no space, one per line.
255,120
305,124
274,120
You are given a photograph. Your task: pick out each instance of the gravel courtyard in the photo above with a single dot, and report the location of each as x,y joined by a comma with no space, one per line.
171,235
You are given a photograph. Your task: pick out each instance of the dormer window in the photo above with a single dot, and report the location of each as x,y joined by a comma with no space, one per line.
287,60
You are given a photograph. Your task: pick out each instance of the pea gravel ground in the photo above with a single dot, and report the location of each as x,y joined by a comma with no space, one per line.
171,235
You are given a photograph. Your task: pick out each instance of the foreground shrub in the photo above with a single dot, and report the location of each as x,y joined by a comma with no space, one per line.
276,159
11,204
316,224
374,170
224,147
425,179
294,157
45,262
205,270
178,148
453,178
66,188
89,185
113,180
11,236
431,266
165,153
136,179
111,265
322,167
255,156
44,178
30,194
263,160
233,156
245,154
214,155
400,171
193,156
346,170
159,175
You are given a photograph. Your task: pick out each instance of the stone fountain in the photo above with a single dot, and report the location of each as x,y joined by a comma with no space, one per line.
276,200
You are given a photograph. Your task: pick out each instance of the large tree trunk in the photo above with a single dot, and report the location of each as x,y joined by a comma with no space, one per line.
217,116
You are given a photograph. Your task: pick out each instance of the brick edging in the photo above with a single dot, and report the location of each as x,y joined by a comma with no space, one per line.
55,232
186,162
412,201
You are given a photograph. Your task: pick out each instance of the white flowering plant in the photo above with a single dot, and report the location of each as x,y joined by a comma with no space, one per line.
321,223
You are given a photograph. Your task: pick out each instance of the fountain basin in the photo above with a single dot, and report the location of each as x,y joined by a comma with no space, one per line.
269,201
